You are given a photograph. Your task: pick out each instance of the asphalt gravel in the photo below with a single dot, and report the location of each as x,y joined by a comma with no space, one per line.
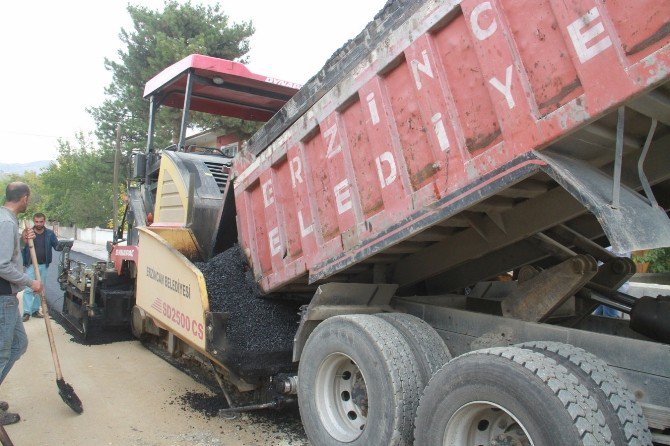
286,420
260,329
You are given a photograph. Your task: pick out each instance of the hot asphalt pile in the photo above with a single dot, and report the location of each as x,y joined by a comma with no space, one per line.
260,329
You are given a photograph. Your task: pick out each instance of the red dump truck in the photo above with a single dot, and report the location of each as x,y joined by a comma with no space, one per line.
413,245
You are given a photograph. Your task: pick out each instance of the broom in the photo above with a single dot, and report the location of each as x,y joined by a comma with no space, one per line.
65,390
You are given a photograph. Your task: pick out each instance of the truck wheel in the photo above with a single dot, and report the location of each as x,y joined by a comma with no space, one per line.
359,383
429,349
508,395
622,412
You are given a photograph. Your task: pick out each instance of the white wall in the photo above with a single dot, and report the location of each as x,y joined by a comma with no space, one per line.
97,236
65,232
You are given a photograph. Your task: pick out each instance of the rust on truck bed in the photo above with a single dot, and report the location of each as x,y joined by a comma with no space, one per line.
446,114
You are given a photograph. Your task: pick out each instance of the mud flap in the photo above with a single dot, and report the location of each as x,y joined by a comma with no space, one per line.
628,226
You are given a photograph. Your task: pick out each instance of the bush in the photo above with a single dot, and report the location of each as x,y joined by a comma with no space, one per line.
659,260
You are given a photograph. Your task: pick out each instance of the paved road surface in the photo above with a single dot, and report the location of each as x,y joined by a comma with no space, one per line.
130,397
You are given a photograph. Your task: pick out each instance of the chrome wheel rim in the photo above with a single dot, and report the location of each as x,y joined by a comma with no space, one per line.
341,398
482,423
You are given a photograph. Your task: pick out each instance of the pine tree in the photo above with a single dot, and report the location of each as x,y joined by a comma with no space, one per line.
157,40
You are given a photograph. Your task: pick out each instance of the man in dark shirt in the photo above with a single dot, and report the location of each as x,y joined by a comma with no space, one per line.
45,239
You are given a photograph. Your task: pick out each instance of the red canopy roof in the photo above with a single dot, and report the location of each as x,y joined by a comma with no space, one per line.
221,87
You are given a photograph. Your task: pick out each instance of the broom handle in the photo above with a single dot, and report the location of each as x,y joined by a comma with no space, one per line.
4,438
45,310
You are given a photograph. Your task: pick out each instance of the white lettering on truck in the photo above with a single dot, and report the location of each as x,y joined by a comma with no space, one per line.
330,136
296,170
372,106
482,33
505,89
386,180
343,196
421,67
304,231
581,38
275,242
440,132
268,193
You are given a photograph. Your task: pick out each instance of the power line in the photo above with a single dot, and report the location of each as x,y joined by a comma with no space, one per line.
11,132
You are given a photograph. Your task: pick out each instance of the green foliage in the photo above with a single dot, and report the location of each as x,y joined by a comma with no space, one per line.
77,188
32,179
659,260
157,40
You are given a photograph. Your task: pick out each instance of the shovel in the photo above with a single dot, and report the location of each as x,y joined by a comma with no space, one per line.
65,390
4,438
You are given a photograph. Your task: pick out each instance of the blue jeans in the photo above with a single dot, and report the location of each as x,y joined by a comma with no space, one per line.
13,338
604,310
31,301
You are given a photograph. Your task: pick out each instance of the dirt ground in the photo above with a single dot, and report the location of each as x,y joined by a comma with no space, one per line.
130,397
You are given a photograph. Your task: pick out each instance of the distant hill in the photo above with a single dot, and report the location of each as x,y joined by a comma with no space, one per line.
20,168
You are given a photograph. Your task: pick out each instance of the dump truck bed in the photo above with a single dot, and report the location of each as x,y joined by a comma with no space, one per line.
453,108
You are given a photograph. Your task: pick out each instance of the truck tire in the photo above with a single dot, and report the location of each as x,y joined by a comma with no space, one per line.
430,351
622,412
508,395
359,384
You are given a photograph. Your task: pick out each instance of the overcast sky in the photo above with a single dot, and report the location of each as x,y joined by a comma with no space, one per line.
53,53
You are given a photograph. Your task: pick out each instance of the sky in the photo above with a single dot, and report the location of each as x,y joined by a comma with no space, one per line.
53,54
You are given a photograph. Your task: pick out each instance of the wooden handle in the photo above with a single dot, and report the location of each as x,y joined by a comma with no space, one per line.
45,310
4,438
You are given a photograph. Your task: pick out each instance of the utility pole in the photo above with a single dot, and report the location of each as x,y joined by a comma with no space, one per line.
117,156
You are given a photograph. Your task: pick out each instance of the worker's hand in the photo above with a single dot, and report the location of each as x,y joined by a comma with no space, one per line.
27,234
36,286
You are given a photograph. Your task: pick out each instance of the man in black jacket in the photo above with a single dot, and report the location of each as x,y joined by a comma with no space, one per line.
45,239
13,339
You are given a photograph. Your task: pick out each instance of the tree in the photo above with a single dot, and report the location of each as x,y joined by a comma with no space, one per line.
658,259
32,179
157,40
77,188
